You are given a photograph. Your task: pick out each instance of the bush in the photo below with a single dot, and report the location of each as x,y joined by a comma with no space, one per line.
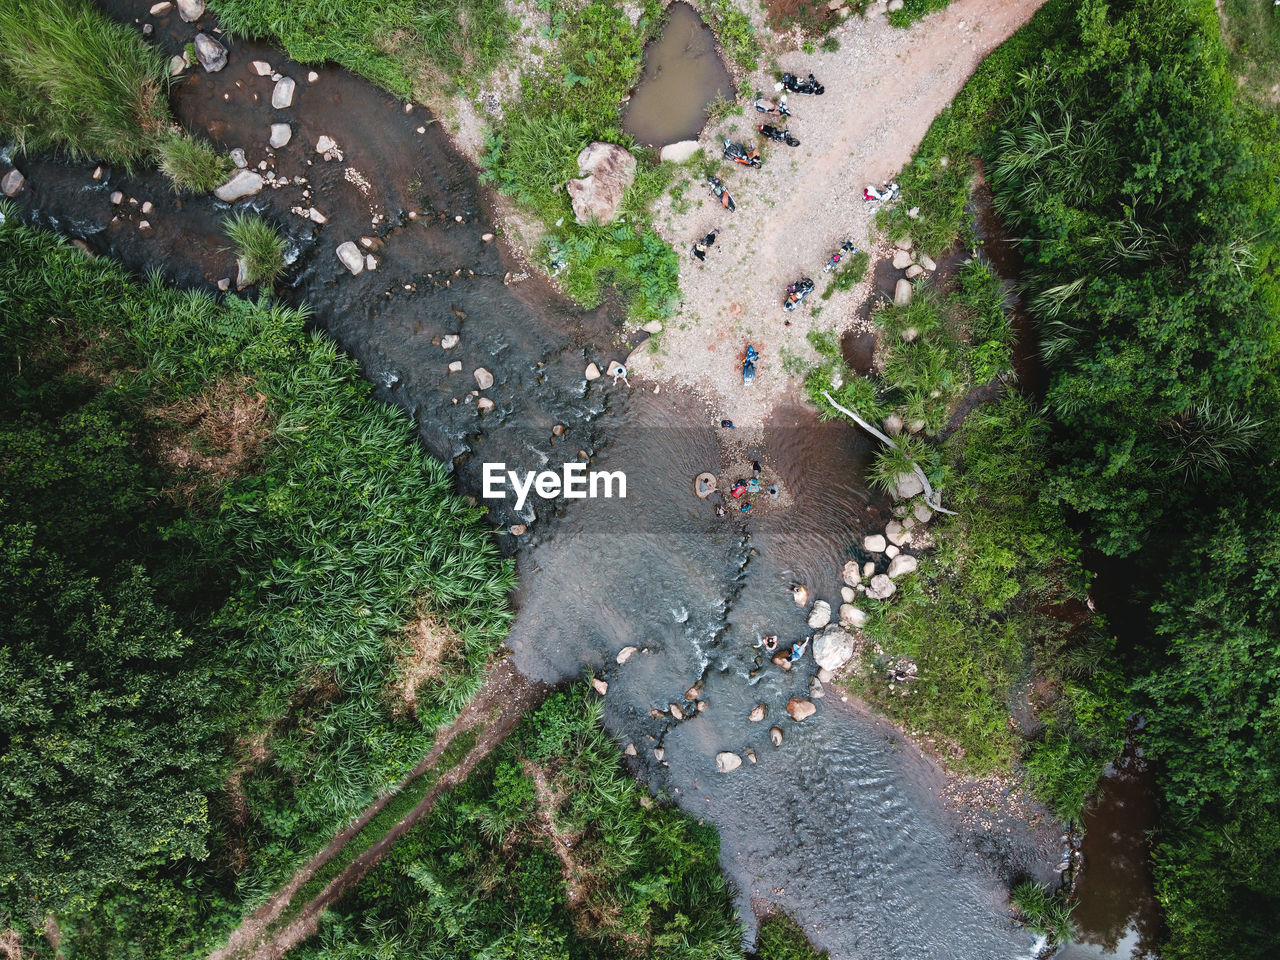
192,164
257,246
781,938
1050,916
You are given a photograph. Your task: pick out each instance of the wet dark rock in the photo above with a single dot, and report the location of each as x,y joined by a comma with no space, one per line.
801,709
191,10
607,171
907,485
211,54
12,183
243,183
351,257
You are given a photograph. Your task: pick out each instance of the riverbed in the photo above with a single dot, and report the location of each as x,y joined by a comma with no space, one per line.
842,825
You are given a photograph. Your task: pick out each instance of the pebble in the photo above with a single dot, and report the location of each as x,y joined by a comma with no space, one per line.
757,713
625,654
484,404
775,736
312,76
659,753
676,711
629,750
592,372
455,367
224,284
97,173
448,342
484,379
159,9
238,158
147,207
117,197
601,686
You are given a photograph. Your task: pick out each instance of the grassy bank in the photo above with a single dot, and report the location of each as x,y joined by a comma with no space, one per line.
221,560
74,80
548,850
1141,178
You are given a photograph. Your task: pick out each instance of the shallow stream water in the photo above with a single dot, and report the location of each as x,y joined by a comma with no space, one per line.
842,825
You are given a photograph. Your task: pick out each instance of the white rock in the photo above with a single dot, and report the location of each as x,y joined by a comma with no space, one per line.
902,564
601,686
927,262
626,654
775,736
896,534
868,569
851,616
316,216
678,152
893,424
849,574
351,257
224,284
815,689
881,587
312,76
486,238
895,5
659,753
211,54
160,9
238,158
243,183
675,710
901,260
902,293
450,340
800,709
281,134
325,143
914,271
117,197
148,206
757,713
370,262
921,511
847,594
177,63
907,485
653,326
891,551
832,648
484,379
455,366
484,404
727,762
282,93
261,68
629,750
242,274
800,594
820,615
873,543
191,10
592,372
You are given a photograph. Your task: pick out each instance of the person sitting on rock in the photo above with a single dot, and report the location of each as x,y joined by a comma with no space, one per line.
770,642
798,650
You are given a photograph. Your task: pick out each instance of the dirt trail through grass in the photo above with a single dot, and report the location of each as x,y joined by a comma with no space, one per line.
884,87
280,924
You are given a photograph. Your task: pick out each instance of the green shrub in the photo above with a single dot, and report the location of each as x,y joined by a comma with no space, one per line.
1050,916
257,246
781,938
191,163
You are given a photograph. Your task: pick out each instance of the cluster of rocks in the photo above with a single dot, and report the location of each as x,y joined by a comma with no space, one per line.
913,264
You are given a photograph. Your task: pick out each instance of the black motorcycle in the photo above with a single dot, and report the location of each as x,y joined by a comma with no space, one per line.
846,248
739,154
722,194
796,293
768,106
796,85
778,136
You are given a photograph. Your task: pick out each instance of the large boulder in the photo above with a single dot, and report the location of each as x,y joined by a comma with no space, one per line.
191,10
727,762
607,170
243,183
800,709
211,54
820,615
832,648
678,152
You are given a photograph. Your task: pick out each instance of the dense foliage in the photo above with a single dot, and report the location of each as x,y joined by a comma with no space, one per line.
1144,183
212,541
781,938
549,850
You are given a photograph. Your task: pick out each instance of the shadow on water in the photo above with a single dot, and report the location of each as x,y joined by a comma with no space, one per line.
842,825
683,75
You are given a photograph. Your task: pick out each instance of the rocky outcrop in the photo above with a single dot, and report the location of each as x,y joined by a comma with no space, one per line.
832,648
211,54
243,183
607,171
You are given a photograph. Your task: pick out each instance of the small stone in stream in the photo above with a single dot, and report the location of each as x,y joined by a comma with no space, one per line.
775,736
370,262
727,762
629,750
457,218
160,9
281,134
782,660
901,260
601,686
487,237
902,565
243,183
702,705
800,709
592,372
177,63
238,158
847,594
849,574
282,93
316,216
902,293
97,173
117,197
190,10
351,257
448,342
659,754
656,714
148,207
484,379
832,648
914,271
896,534
242,273
800,594
224,284
881,587
921,511
625,654
262,164
757,713
750,754
312,76
676,711
261,68
815,689
275,76
557,430
692,693
484,404
891,551
368,242
820,615
873,543
455,367
148,29
517,530
211,54
144,225
325,143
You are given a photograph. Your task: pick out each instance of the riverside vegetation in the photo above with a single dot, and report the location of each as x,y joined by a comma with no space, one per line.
216,549
1142,182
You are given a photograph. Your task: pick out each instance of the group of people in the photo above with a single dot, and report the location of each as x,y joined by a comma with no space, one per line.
770,644
745,488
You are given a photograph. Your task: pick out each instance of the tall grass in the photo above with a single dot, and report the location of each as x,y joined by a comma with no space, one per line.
72,79
191,163
257,246
1049,915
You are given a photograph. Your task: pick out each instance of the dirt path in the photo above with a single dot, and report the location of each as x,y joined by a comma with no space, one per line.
505,697
883,89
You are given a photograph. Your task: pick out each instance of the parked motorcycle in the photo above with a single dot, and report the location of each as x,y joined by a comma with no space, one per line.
722,194
768,106
749,366
796,85
797,292
739,154
778,136
846,249
888,191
